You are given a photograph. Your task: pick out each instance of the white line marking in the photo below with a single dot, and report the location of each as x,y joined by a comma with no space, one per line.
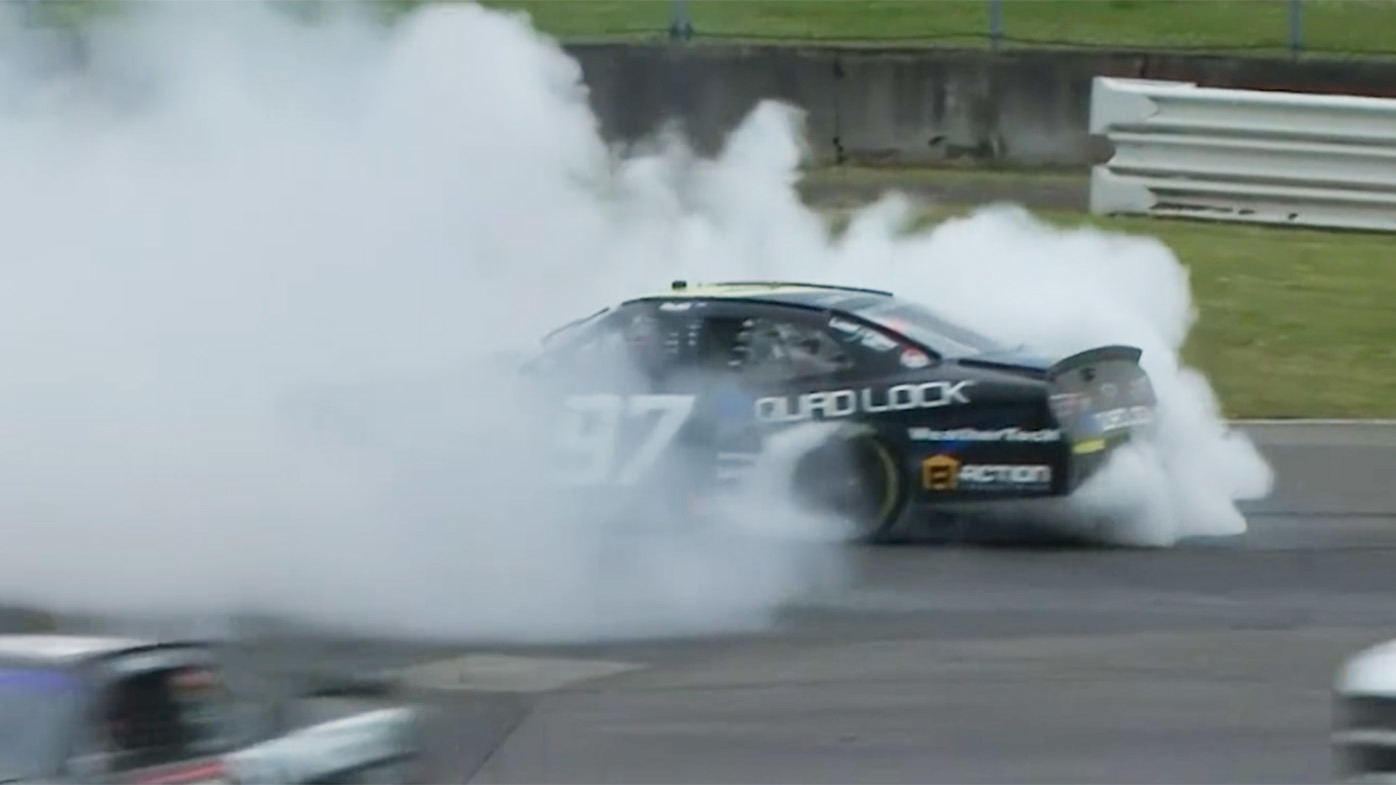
1377,423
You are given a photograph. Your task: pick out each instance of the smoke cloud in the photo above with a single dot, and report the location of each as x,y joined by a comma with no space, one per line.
257,277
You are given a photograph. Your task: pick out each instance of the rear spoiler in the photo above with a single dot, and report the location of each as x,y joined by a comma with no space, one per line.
1114,352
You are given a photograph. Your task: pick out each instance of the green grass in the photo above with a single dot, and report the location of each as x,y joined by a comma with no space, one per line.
1291,322
1347,26
1358,27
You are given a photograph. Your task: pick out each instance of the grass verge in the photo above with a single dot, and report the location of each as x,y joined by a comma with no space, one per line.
1351,27
1291,322
1260,26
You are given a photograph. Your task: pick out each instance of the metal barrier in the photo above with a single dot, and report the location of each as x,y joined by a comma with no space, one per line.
1244,155
1364,732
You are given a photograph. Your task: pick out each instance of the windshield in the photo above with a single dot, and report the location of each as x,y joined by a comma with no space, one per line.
924,326
34,705
573,327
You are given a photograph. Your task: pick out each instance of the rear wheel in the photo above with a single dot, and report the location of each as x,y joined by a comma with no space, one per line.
855,478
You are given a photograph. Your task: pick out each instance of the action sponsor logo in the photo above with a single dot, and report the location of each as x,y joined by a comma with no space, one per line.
846,403
945,473
975,435
939,472
1125,417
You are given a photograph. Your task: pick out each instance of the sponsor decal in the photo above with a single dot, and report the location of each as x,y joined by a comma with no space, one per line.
1006,475
1068,405
1109,391
1125,417
675,306
834,404
975,435
944,473
939,472
1088,446
911,358
865,335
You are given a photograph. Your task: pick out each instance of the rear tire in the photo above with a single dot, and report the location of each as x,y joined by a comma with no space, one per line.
856,478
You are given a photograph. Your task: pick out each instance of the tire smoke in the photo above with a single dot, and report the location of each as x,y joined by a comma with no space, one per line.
257,275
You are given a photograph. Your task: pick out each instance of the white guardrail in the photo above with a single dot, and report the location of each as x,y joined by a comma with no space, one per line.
1364,732
1253,156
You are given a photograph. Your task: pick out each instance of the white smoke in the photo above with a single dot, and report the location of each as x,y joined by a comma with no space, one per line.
254,276
1060,291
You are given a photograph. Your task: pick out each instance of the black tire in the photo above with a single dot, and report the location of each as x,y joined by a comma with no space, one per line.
857,478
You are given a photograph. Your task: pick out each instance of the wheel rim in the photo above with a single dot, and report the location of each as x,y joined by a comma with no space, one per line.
853,479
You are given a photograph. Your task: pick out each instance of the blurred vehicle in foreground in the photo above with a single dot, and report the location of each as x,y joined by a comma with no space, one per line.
1364,732
105,709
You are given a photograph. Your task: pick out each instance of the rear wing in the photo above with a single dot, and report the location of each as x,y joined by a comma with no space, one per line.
1100,395
1091,357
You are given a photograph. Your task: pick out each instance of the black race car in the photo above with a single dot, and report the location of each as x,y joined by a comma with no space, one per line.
925,421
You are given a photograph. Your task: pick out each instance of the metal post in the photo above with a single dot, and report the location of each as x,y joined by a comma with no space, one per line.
1296,27
680,29
995,23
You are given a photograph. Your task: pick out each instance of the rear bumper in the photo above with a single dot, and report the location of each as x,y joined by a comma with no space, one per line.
1087,455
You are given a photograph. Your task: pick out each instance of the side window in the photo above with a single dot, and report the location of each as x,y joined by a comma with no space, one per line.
645,339
776,349
588,344
875,351
163,716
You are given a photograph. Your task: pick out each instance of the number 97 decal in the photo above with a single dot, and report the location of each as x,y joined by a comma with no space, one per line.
591,435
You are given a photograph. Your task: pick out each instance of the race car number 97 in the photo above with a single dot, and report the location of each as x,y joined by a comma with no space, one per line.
592,430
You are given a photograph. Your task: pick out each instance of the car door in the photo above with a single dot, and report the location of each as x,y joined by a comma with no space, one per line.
622,404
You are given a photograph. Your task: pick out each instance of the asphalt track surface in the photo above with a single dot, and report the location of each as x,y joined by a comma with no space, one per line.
1209,662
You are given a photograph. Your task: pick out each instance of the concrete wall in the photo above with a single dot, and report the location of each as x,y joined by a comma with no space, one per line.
918,106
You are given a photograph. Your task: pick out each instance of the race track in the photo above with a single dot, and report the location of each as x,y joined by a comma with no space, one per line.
1209,662
1206,663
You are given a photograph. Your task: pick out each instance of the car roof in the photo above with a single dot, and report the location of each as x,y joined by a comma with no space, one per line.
68,649
812,295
